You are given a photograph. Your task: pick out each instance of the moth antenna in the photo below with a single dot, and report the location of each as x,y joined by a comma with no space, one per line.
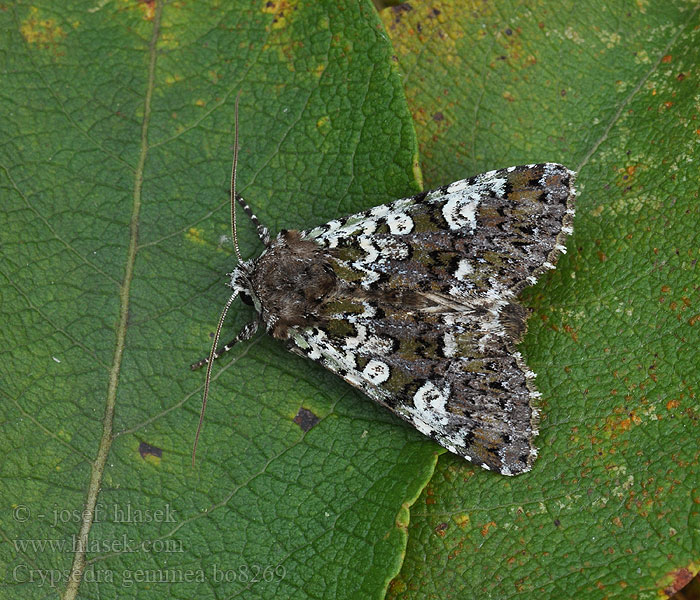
234,232
263,232
207,379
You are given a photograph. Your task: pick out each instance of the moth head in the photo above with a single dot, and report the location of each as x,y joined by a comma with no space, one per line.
241,284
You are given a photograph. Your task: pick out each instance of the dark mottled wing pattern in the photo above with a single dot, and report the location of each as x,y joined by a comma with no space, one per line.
427,318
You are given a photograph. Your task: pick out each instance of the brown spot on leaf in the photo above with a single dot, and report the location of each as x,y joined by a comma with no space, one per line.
148,450
44,33
438,116
281,11
441,529
461,520
306,419
399,11
149,9
681,578
397,586
667,59
570,330
485,528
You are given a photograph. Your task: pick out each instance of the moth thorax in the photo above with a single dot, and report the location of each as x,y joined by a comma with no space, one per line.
292,279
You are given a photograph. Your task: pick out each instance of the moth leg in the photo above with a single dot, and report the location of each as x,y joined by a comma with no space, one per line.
263,232
245,333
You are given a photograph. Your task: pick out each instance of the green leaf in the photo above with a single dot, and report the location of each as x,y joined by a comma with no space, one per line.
609,89
115,155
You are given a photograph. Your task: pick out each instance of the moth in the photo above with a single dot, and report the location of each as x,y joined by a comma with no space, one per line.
415,303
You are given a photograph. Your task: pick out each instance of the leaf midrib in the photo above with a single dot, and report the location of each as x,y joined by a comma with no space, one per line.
98,465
